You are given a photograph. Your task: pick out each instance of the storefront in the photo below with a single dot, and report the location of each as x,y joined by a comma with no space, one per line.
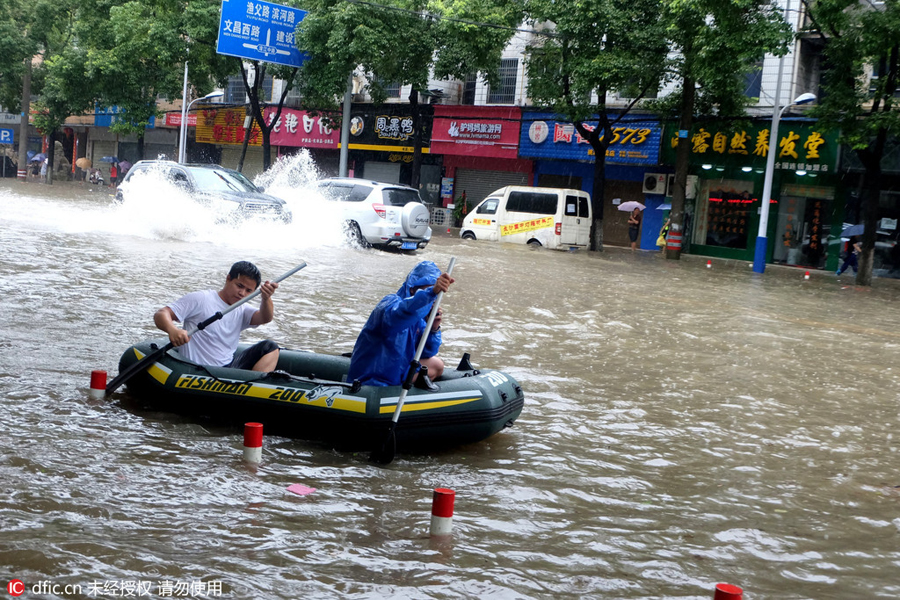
479,145
223,128
564,159
382,143
722,211
297,129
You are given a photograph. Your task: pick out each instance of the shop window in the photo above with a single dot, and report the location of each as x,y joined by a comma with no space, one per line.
469,85
505,93
234,90
723,213
753,81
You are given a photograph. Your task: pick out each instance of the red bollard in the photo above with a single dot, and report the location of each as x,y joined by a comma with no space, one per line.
726,591
98,384
709,264
442,511
253,442
806,275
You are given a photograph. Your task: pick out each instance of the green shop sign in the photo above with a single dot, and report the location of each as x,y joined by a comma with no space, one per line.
801,146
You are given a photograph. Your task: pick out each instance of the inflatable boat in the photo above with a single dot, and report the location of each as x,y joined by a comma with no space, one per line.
308,397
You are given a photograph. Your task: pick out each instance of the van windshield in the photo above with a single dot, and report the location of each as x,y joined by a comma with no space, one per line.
488,207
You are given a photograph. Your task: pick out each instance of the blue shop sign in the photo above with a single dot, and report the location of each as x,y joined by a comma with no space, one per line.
106,116
543,135
260,31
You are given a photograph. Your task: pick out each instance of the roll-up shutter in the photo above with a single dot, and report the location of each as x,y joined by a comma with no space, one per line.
253,162
382,171
100,149
479,184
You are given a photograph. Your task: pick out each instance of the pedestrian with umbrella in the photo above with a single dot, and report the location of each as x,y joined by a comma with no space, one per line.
634,220
83,163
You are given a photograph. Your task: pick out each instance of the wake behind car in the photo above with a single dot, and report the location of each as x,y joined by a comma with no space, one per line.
386,215
227,192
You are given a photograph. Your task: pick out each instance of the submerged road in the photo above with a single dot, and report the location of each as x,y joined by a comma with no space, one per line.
683,426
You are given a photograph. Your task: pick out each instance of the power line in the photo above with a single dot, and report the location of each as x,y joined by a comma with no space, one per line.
443,18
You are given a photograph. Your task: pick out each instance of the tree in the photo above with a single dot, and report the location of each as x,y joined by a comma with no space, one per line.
254,90
860,37
717,41
401,42
595,47
138,52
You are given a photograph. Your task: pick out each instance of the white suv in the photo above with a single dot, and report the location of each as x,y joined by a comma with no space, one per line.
379,214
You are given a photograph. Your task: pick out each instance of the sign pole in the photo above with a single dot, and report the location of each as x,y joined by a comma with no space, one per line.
345,128
182,133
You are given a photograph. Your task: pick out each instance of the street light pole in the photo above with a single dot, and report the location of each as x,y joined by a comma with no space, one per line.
184,117
762,242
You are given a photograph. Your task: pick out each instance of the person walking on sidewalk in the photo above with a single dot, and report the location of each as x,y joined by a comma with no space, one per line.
852,259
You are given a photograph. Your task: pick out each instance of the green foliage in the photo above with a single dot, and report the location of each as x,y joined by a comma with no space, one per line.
719,42
858,37
399,41
594,47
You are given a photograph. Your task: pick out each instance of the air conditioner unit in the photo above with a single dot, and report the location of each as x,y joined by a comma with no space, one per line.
654,183
691,187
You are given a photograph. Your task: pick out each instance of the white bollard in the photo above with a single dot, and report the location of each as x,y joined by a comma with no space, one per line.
442,511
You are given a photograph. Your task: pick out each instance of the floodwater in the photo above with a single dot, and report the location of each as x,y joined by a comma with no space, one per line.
683,425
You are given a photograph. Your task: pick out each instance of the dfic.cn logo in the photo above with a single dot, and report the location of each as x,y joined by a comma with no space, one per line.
15,587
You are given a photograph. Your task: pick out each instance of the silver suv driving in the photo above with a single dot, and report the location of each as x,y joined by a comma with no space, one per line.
386,215
231,195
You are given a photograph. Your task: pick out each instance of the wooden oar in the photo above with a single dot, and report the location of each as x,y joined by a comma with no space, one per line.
151,358
385,454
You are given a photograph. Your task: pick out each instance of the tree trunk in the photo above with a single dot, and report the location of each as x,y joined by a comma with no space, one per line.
871,191
51,157
599,139
23,123
682,159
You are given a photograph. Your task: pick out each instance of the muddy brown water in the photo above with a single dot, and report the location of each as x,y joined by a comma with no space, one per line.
683,426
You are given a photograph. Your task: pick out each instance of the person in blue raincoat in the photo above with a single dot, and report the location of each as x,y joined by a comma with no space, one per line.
387,343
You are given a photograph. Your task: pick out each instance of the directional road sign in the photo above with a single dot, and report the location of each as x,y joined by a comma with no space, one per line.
260,31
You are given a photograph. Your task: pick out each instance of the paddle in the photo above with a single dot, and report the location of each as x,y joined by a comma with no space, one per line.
151,358
385,454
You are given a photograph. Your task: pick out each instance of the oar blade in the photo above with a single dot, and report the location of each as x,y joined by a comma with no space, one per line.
136,368
384,454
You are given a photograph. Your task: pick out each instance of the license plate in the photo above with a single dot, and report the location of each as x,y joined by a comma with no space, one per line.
409,246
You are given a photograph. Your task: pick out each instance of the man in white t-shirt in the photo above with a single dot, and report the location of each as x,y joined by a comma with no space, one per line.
216,344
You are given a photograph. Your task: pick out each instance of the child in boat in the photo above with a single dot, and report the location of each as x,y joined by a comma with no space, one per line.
216,344
387,343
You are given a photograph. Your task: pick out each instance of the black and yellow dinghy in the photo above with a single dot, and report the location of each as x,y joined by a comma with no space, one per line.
308,397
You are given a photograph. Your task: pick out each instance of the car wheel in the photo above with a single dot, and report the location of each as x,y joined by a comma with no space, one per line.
355,236
468,235
534,243
415,219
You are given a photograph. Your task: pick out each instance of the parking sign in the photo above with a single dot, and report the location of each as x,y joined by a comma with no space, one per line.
6,136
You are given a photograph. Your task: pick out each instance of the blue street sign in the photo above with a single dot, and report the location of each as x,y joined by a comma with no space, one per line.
260,31
6,136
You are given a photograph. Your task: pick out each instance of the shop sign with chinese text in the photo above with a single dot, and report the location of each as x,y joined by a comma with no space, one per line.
633,142
389,128
476,131
801,146
225,126
300,129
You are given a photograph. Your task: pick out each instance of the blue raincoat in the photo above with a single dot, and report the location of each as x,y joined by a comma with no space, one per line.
387,343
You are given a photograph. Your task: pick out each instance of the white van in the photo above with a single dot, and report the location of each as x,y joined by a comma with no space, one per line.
551,217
